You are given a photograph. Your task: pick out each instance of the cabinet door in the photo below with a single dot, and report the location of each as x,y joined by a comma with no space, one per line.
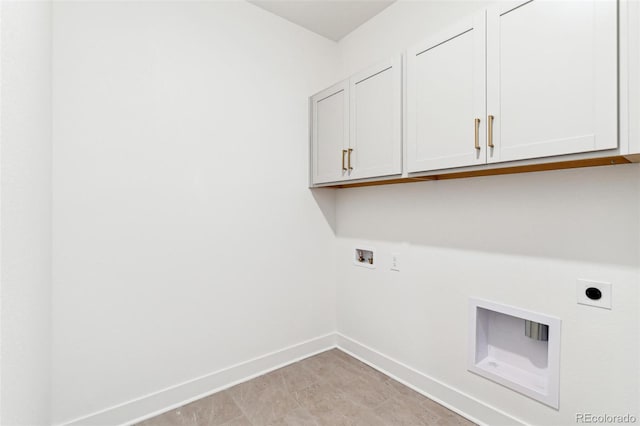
330,138
376,132
552,78
446,101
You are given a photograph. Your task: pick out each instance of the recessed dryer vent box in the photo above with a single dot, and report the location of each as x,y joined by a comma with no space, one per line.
364,256
516,348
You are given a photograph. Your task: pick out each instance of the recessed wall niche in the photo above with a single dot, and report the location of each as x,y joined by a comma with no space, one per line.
516,348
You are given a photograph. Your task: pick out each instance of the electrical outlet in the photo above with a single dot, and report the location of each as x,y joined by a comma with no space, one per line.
395,262
594,293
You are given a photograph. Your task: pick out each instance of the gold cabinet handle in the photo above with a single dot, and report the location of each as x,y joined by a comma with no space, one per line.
490,137
344,151
349,159
477,134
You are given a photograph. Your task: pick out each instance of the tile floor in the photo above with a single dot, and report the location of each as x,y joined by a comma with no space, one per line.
331,388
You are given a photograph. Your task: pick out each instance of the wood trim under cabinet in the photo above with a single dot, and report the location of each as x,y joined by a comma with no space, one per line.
573,164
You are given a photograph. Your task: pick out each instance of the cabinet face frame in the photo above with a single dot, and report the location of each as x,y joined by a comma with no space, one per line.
605,88
394,166
339,175
476,25
629,77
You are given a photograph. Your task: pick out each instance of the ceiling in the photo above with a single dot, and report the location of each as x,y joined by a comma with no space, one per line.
333,19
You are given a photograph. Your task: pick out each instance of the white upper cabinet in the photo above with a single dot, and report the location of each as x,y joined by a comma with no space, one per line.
357,126
376,132
551,78
330,139
522,80
446,99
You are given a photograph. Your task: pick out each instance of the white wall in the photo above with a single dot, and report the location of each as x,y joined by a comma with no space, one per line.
25,214
517,239
185,239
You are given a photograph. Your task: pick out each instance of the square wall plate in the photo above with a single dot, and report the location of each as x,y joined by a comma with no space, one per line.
500,351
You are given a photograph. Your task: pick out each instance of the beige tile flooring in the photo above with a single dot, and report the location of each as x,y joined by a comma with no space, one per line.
331,388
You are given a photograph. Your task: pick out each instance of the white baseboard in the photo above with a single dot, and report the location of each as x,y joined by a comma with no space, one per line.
454,399
175,396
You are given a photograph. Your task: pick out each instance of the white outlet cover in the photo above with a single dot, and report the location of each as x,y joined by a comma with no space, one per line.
605,289
395,262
